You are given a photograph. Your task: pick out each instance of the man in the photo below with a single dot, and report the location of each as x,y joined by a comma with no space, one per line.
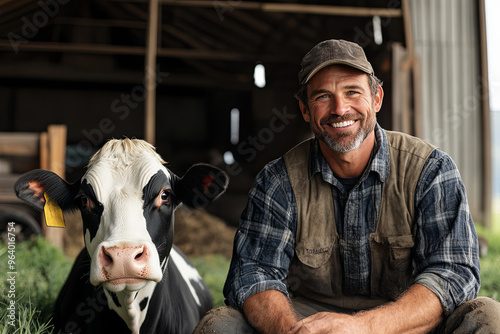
360,230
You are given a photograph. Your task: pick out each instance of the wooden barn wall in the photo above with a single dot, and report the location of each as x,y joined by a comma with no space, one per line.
446,35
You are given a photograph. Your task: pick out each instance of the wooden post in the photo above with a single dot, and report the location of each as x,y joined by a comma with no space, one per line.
52,157
150,73
487,186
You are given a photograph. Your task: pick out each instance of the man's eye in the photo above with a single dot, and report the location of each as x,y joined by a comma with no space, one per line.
321,98
352,92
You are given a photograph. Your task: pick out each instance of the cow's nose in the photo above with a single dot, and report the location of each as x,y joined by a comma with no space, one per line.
124,261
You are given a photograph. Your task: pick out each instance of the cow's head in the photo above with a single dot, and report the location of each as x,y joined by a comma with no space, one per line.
127,199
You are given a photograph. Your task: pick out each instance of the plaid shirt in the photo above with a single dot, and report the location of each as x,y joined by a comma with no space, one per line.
445,254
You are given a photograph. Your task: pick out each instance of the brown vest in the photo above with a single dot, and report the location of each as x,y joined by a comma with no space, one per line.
316,270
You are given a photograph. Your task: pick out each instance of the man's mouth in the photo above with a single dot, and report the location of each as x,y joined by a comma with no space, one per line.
341,124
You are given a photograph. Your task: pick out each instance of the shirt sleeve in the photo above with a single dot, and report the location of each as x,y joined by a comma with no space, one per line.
446,247
263,245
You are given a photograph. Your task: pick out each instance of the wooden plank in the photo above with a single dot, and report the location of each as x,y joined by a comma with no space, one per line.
57,149
7,194
44,151
19,143
53,150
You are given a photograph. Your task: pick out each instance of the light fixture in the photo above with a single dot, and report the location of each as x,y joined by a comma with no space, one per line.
259,76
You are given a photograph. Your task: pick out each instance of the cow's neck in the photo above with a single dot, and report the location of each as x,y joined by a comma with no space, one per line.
132,306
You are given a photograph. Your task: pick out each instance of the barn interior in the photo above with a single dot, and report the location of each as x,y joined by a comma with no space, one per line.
82,64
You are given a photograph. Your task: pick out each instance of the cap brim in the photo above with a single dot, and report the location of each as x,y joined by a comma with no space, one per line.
337,62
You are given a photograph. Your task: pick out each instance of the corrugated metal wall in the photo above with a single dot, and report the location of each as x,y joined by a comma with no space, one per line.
446,40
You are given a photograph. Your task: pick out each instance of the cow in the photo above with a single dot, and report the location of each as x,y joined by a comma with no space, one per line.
129,278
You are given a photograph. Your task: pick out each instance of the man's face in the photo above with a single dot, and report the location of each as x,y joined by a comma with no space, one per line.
341,108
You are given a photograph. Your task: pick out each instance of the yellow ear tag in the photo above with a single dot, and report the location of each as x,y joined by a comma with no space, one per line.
53,213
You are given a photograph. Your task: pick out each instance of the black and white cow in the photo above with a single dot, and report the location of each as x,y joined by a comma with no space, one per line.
129,277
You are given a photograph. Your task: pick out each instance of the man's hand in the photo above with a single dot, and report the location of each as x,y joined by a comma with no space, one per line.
330,322
270,312
417,311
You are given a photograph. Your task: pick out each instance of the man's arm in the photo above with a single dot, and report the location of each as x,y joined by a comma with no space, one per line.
270,312
417,311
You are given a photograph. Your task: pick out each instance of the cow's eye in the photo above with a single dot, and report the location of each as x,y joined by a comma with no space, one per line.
86,202
165,197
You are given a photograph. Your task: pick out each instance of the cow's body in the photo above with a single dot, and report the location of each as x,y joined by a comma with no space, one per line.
128,278
82,306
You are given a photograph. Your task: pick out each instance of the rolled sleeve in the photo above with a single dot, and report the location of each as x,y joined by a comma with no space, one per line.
446,248
263,246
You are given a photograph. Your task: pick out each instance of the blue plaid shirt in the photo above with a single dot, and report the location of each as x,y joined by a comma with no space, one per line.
445,255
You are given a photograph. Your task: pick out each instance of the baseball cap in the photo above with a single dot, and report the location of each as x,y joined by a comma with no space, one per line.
331,52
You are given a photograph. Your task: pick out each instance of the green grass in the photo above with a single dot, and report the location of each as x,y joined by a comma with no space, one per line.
490,264
41,270
213,269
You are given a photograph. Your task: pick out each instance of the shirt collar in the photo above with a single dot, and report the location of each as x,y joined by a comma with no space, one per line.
379,163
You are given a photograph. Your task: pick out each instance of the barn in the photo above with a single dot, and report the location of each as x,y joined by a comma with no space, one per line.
181,75
186,75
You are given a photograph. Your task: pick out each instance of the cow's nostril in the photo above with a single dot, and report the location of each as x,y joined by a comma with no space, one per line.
107,256
141,253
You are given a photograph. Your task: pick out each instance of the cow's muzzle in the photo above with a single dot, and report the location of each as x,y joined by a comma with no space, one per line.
125,266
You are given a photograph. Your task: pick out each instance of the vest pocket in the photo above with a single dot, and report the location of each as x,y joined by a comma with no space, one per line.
315,270
312,254
391,265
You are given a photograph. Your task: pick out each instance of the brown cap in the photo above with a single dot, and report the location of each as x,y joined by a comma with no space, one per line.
330,52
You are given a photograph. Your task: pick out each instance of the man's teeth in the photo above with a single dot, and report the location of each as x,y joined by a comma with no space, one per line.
342,124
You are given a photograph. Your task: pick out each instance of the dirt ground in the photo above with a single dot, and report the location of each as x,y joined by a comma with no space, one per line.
197,233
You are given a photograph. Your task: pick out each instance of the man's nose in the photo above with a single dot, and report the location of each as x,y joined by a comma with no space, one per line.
339,106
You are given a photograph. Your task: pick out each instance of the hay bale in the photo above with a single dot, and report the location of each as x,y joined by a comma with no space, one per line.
198,232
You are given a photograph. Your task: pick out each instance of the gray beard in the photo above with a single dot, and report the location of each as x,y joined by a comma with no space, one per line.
342,148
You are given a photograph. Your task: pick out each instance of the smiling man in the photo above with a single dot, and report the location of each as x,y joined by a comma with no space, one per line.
357,230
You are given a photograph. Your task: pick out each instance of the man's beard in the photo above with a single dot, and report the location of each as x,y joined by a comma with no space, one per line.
346,145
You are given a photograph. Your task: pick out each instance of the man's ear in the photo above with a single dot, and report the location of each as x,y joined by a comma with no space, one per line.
46,191
377,100
201,184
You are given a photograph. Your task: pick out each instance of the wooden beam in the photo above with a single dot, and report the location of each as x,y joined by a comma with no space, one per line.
410,65
331,10
86,22
150,73
73,47
487,172
290,8
19,143
140,51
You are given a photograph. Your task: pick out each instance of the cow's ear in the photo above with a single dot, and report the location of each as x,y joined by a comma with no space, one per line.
45,190
201,184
